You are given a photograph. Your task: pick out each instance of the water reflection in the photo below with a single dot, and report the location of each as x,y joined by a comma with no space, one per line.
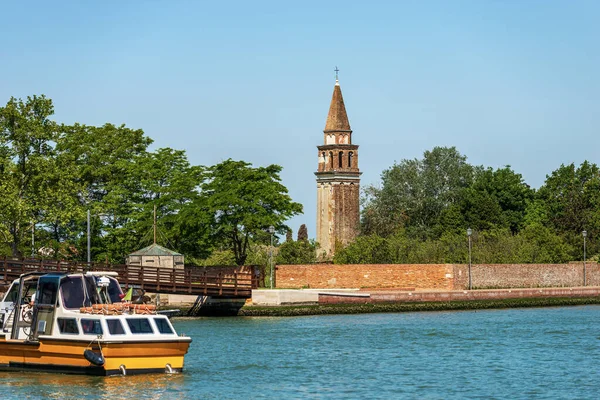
59,386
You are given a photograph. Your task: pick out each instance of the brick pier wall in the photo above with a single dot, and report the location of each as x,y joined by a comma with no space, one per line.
436,276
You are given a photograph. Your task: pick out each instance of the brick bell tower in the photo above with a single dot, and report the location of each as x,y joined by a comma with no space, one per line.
338,180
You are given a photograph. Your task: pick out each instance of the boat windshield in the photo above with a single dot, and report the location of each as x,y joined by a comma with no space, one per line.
114,291
48,287
73,294
82,291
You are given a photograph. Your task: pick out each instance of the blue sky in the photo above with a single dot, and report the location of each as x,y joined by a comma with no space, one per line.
506,82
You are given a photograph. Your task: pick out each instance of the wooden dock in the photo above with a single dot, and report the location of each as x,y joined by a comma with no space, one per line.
226,282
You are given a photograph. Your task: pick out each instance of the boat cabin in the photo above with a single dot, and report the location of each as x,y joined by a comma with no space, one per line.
30,303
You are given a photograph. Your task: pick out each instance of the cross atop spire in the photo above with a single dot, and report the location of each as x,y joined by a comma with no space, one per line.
337,82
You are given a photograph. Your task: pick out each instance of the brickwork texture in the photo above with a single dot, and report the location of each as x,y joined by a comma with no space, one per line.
436,276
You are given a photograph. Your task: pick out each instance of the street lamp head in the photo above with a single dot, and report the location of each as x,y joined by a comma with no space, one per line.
271,229
469,232
584,233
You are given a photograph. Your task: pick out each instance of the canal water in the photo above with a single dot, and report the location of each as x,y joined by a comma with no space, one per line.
535,353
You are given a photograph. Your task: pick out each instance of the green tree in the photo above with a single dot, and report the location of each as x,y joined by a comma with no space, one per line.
539,244
27,135
302,233
571,197
298,252
168,182
106,160
415,193
372,249
497,199
242,201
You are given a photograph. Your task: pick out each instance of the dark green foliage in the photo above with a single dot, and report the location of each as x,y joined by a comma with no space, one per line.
302,233
242,201
424,207
496,199
364,250
299,252
535,244
415,193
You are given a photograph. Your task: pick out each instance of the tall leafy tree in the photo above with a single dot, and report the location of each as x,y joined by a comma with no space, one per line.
302,233
242,201
27,136
169,183
571,197
497,199
415,193
106,160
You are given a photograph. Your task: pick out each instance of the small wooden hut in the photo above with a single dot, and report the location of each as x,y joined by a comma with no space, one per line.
156,256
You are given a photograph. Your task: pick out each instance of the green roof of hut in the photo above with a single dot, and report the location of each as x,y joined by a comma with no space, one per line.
155,250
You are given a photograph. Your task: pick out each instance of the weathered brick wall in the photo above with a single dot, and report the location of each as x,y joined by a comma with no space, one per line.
435,276
489,276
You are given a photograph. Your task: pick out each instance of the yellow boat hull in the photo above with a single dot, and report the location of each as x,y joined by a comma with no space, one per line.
66,356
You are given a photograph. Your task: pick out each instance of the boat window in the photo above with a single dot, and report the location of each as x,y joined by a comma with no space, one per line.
115,327
91,292
67,325
91,326
12,293
139,325
163,325
47,292
114,291
71,289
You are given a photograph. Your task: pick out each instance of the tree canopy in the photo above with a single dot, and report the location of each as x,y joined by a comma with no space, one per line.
423,207
242,201
52,174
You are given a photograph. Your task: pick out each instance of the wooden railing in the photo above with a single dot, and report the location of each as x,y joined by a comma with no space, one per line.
217,282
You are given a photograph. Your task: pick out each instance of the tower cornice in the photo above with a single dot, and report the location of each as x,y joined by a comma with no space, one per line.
338,176
338,146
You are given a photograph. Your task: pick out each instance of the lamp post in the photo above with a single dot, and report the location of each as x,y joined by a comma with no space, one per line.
469,233
271,231
584,233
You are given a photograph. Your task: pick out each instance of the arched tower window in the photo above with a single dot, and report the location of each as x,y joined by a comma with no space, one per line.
341,158
331,160
350,155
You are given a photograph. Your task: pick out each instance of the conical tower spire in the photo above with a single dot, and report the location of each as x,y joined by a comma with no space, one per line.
337,119
338,180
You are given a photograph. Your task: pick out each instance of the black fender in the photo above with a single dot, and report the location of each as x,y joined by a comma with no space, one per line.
94,358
